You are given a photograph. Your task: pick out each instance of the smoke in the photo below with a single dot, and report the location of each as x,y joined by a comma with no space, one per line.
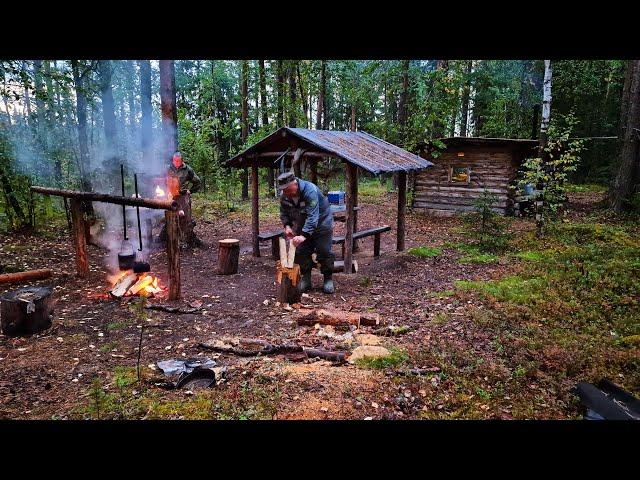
47,150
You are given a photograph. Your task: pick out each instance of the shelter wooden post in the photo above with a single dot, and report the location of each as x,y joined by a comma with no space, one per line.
351,177
314,172
79,238
173,254
255,219
355,212
402,207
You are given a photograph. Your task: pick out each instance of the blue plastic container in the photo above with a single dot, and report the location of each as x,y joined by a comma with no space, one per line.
336,197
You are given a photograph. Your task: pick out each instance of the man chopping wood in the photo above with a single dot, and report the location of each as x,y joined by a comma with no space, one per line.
308,223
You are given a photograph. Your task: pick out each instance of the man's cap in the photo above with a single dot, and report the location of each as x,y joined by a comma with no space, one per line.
285,179
177,154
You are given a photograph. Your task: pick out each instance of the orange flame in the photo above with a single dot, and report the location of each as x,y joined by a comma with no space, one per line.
159,191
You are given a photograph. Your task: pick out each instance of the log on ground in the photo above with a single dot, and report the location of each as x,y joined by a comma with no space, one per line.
338,318
25,276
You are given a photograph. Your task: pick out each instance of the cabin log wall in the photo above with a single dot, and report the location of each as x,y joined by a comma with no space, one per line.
492,168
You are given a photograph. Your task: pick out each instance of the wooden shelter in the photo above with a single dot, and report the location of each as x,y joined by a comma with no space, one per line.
465,168
355,149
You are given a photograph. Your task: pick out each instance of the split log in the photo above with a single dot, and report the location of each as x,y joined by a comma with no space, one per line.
25,276
339,318
122,286
228,256
143,281
287,283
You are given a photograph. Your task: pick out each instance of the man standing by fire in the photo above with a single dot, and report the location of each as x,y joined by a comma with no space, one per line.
308,223
182,181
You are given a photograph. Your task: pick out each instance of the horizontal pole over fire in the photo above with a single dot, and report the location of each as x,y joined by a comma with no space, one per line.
103,197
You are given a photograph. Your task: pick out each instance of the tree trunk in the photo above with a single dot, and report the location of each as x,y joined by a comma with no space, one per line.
544,127
244,123
110,161
27,95
81,114
131,95
321,94
628,170
403,107
11,199
146,130
263,95
265,113
465,99
303,97
280,95
292,113
168,107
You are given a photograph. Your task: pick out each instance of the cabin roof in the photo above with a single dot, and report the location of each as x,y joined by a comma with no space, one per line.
359,148
484,141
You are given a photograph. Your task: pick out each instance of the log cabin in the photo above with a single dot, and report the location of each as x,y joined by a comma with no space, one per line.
464,168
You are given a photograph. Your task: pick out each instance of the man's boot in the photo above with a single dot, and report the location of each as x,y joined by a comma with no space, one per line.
328,283
305,282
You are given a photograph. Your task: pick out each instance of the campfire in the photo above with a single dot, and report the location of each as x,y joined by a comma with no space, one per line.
159,192
129,283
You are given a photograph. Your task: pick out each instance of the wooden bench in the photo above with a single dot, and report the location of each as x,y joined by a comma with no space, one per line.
376,232
275,244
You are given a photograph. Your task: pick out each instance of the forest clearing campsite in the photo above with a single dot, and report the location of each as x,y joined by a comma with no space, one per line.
485,265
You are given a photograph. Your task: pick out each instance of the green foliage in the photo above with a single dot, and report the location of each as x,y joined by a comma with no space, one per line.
426,252
486,228
553,173
479,258
395,358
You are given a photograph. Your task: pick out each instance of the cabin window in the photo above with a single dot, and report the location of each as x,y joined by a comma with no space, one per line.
458,174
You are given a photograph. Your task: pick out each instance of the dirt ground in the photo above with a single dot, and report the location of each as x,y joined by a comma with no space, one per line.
50,374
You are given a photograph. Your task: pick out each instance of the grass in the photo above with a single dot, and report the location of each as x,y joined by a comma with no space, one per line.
395,358
425,252
108,347
118,325
573,303
250,400
479,258
441,294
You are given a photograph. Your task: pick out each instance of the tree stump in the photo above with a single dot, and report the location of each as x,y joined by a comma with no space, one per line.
26,311
287,283
228,256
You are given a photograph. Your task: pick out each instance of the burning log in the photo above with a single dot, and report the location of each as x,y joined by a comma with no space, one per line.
338,318
228,256
154,203
25,276
122,286
143,282
131,283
